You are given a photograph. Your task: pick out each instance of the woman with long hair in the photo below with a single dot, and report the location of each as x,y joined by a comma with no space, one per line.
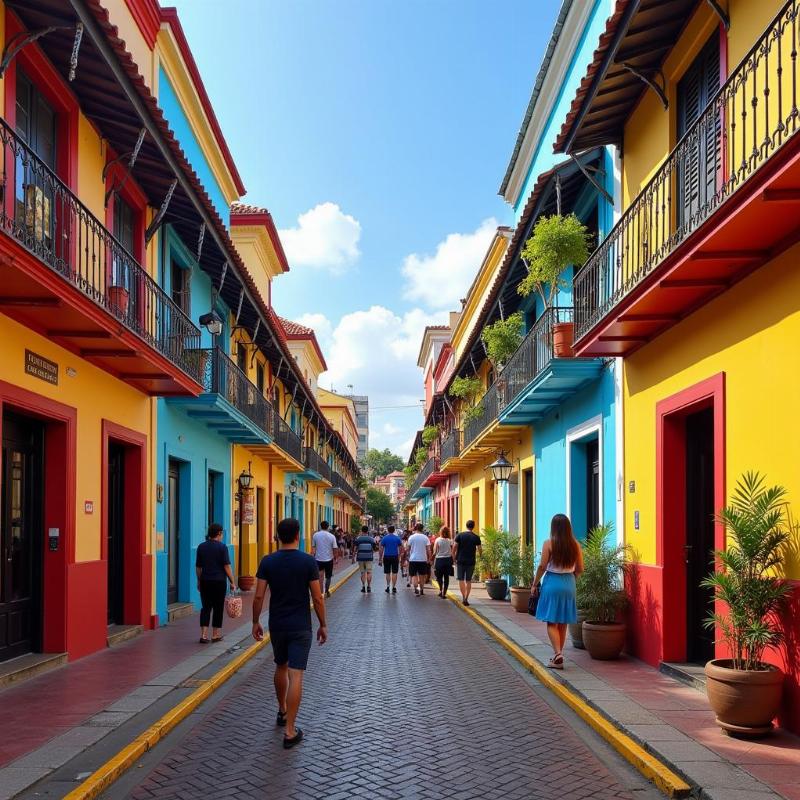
443,559
561,564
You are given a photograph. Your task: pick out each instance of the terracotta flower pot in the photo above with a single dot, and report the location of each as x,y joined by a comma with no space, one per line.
745,701
118,299
519,598
576,631
604,640
246,582
496,588
563,337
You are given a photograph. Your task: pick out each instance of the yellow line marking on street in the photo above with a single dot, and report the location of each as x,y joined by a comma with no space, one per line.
654,770
117,765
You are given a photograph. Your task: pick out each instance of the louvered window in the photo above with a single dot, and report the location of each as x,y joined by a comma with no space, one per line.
700,163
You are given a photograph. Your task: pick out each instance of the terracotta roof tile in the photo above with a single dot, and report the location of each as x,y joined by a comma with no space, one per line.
245,208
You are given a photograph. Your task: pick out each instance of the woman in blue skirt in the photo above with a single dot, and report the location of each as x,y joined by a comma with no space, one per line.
561,564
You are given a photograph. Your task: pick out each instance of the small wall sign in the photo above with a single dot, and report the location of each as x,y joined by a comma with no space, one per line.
632,486
41,367
636,520
88,507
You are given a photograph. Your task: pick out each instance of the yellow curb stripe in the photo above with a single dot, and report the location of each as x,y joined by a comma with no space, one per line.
654,770
117,765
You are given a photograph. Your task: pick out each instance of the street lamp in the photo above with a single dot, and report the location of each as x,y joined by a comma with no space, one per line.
244,480
292,492
501,468
212,322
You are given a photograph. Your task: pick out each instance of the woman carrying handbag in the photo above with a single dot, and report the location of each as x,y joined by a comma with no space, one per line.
213,565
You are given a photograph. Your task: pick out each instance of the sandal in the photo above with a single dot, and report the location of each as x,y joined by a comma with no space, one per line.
218,639
556,662
281,720
203,640
296,739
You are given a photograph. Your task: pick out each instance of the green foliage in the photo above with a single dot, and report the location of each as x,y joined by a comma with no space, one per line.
379,506
434,523
495,543
600,591
556,243
410,471
466,389
502,339
429,433
355,525
420,458
758,532
518,562
378,463
473,412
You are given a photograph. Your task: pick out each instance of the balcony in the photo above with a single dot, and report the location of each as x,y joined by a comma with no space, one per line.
62,273
341,486
451,447
536,379
722,204
230,404
418,488
316,469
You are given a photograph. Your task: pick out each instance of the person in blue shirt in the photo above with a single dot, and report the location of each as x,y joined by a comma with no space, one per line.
389,556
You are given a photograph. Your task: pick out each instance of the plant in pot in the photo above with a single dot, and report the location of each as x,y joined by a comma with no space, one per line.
602,596
576,629
494,544
557,242
502,339
744,691
118,298
517,564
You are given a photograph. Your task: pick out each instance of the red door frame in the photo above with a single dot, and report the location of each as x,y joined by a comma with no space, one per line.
137,566
671,416
60,459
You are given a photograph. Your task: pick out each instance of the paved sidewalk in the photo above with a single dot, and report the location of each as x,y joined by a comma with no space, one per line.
671,720
57,715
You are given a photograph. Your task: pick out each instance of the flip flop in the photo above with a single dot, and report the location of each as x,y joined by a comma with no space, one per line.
281,720
203,640
556,662
218,639
296,739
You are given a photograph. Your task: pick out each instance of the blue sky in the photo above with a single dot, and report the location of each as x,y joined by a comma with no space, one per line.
377,133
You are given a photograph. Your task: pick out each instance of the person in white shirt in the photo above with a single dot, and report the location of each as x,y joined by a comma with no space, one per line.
326,548
419,556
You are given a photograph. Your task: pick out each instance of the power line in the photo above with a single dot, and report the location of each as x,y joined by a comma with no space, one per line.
382,408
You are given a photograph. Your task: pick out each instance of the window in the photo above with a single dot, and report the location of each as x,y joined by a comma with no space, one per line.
180,291
241,357
123,223
260,377
527,505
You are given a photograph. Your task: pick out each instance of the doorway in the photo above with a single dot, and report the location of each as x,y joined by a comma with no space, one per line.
592,484
173,529
699,544
115,533
21,536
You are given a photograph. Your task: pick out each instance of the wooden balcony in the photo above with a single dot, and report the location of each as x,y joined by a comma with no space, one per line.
722,204
64,275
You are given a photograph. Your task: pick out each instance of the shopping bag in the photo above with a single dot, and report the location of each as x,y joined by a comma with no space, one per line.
233,604
533,601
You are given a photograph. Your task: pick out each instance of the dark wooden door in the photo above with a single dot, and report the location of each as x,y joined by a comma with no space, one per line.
21,536
115,532
173,531
592,484
700,159
699,533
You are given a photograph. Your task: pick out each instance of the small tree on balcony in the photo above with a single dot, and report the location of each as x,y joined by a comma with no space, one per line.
556,243
467,390
502,339
429,434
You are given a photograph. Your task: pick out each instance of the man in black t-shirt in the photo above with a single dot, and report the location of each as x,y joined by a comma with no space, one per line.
291,576
466,545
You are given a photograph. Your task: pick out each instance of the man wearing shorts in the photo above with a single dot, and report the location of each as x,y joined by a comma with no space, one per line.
467,543
364,549
326,549
389,556
419,556
291,576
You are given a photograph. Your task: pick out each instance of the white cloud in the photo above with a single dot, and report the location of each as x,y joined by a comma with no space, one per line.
442,279
321,326
376,350
324,238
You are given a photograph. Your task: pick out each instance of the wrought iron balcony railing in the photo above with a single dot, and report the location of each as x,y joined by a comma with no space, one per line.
315,462
340,482
482,415
531,357
286,438
47,219
752,116
451,446
430,466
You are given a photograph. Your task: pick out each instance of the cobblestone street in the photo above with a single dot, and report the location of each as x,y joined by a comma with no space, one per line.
407,700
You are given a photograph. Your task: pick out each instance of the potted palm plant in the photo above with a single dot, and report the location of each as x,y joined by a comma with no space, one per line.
494,544
517,564
576,629
602,594
557,242
743,689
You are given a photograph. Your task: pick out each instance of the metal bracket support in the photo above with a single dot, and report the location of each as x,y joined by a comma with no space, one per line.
255,346
275,376
132,156
589,177
76,46
154,225
200,241
721,13
21,40
239,307
659,90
